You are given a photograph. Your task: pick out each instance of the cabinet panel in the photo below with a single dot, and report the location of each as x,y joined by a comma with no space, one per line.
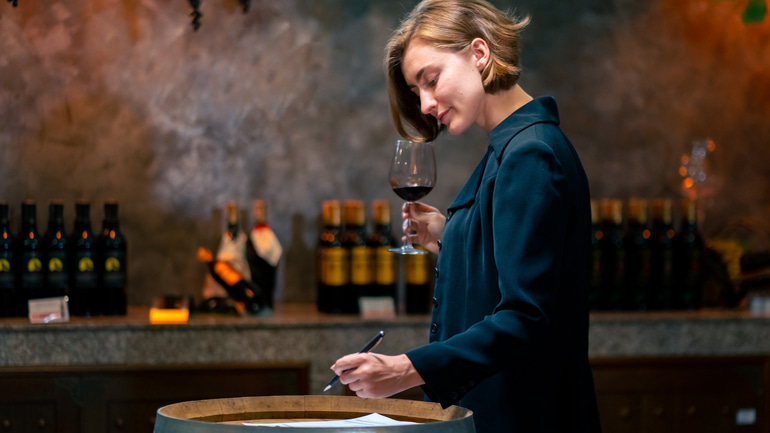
682,394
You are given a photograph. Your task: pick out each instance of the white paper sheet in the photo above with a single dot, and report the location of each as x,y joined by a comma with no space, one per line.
371,420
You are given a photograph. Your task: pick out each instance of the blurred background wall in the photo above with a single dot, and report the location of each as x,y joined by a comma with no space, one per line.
121,99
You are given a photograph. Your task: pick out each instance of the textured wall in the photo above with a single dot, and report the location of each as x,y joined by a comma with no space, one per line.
121,99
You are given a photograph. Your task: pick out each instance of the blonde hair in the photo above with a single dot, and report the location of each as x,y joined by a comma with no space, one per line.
451,24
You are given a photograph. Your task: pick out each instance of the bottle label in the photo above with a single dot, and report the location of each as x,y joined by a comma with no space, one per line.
385,273
85,272
114,269
360,266
32,272
417,269
334,266
7,277
58,269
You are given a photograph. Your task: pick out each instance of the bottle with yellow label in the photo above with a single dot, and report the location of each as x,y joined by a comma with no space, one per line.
332,263
383,262
83,293
56,264
112,264
9,261
354,242
419,282
32,277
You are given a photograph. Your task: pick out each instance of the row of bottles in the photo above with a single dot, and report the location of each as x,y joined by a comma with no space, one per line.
89,269
352,264
643,263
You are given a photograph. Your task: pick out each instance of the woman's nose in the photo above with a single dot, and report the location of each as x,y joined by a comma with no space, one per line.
427,103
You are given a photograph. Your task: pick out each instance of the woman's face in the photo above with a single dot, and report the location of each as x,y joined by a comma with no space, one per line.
447,82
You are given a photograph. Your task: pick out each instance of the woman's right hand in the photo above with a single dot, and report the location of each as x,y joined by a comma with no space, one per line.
427,224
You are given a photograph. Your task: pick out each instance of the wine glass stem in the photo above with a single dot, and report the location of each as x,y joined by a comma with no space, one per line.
408,233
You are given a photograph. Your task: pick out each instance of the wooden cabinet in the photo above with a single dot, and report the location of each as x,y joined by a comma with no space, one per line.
121,400
681,395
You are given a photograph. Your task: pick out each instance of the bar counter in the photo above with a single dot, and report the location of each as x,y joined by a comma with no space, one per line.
298,333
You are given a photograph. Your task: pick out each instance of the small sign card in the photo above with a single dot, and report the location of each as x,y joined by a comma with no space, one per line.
49,310
377,307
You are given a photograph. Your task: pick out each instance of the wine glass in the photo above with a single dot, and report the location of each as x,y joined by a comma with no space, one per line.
412,176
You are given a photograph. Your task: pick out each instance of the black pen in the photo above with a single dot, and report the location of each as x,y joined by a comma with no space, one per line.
369,346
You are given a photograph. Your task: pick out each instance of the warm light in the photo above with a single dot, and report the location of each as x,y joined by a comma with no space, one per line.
670,234
599,235
58,235
112,234
685,159
5,235
646,234
31,235
687,183
683,171
712,145
165,316
85,234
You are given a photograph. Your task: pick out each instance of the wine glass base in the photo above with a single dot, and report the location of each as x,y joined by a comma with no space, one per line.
407,250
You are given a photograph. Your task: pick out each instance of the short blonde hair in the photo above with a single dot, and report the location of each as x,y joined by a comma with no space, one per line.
451,24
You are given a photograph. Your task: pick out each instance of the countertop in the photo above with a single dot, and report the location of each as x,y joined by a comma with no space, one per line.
298,333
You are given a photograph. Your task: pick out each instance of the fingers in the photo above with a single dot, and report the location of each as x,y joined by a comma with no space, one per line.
347,363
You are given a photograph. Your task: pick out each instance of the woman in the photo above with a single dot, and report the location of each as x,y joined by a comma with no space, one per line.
509,331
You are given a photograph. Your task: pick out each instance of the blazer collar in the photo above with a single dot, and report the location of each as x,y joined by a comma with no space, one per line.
539,110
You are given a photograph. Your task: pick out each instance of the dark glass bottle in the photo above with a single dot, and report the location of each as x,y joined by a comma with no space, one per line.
419,282
688,257
32,276
263,272
112,263
614,256
57,252
595,259
639,256
384,262
663,234
332,261
249,297
10,306
83,291
354,242
232,220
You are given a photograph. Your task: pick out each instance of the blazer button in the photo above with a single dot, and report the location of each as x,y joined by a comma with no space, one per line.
433,328
436,269
439,243
435,302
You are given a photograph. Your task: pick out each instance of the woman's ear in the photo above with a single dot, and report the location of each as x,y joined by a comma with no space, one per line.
480,52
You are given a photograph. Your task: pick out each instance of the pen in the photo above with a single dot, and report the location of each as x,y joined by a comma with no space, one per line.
369,346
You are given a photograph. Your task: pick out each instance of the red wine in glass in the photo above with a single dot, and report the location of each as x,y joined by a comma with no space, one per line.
412,176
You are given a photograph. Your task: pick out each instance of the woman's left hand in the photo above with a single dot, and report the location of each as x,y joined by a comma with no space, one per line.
373,375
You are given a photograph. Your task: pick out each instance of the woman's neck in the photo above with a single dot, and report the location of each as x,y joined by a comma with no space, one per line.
502,104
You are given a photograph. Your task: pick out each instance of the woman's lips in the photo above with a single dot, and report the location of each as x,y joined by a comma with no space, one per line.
442,116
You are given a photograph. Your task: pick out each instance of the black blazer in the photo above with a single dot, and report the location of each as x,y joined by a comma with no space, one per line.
509,331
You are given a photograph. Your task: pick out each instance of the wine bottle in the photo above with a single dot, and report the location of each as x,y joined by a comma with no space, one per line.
639,258
663,285
57,252
354,241
263,251
112,263
688,257
83,292
595,259
249,297
383,261
10,306
233,245
614,256
332,262
419,285
32,277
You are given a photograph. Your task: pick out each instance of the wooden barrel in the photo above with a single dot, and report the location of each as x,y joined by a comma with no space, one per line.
227,415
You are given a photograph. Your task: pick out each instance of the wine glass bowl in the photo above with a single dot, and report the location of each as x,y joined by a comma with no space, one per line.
412,176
